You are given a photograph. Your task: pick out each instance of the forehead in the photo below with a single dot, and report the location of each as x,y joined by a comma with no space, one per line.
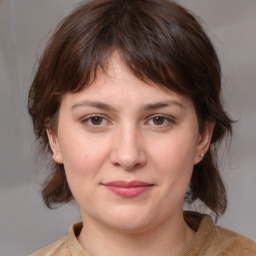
116,85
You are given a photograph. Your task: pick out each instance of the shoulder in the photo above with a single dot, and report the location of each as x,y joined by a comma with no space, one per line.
66,246
231,242
58,248
211,239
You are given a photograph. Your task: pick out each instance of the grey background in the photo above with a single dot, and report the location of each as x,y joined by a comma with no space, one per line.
25,26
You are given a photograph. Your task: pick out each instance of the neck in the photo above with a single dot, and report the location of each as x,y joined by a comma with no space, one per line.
168,238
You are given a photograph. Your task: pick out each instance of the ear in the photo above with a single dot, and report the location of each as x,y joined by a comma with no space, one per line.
204,140
54,144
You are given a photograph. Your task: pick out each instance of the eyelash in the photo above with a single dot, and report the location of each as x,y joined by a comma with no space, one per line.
88,121
167,120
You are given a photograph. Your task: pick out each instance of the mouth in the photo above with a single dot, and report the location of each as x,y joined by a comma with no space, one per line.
128,189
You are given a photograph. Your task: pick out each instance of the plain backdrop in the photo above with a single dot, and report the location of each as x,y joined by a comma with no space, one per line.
25,25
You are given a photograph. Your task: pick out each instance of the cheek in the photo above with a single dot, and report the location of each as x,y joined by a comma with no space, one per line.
175,150
83,157
81,168
174,159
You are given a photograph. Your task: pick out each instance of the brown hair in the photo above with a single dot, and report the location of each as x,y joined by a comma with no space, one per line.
159,41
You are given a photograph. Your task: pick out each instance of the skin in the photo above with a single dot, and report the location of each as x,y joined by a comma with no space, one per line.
121,128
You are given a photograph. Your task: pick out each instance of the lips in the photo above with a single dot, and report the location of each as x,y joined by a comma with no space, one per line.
128,189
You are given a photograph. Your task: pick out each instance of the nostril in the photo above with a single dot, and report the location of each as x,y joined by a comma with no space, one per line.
129,162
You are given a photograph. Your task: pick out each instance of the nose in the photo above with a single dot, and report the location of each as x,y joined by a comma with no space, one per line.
128,150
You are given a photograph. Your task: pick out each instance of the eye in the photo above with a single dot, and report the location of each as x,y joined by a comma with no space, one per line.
160,121
95,121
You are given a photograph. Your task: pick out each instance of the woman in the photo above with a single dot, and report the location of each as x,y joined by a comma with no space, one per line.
127,100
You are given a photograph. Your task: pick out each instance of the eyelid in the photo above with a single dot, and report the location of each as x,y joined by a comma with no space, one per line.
170,119
85,120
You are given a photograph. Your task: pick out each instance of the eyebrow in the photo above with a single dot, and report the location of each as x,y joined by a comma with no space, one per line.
95,104
147,107
157,105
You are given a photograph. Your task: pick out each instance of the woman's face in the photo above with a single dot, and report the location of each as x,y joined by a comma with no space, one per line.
128,149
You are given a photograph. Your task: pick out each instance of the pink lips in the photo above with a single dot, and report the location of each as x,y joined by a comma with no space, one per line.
128,189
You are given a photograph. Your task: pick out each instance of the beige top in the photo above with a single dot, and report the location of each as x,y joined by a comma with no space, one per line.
210,240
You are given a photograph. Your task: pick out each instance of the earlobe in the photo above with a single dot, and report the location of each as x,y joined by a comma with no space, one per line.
204,141
54,144
57,158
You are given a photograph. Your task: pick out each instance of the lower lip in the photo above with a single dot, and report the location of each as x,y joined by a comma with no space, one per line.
130,191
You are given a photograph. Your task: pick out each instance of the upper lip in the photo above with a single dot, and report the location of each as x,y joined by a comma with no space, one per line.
127,184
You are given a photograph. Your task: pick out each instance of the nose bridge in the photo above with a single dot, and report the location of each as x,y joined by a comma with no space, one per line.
128,150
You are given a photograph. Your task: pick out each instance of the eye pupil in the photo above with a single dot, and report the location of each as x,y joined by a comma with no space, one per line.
158,120
96,120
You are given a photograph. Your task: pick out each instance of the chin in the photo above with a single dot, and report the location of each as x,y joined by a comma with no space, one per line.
129,221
